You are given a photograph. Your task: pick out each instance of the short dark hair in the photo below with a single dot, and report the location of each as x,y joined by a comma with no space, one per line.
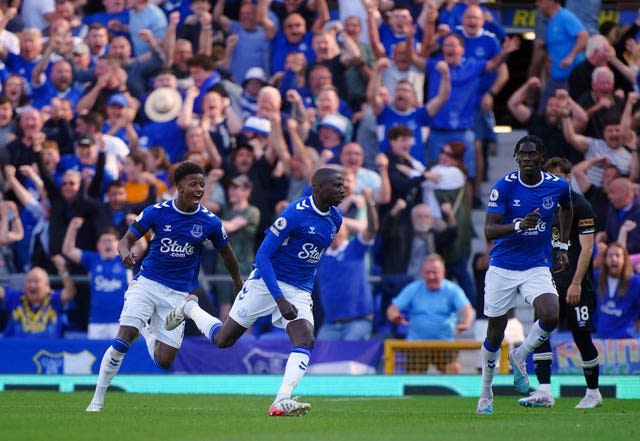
186,168
201,60
562,164
533,139
398,131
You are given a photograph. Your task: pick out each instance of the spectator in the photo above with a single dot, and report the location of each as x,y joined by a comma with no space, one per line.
599,53
144,16
114,13
406,248
548,125
21,150
434,309
98,42
141,67
353,206
295,38
253,30
403,110
11,231
15,89
600,103
240,220
623,217
30,51
119,121
341,281
200,26
38,311
352,157
7,124
108,278
611,145
358,74
565,38
162,108
57,84
33,249
618,298
110,79
116,212
67,202
596,195
140,185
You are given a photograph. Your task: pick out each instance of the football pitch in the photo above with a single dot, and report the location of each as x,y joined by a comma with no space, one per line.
158,417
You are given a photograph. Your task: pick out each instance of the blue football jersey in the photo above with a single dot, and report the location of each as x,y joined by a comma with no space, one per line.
108,281
294,244
513,199
174,252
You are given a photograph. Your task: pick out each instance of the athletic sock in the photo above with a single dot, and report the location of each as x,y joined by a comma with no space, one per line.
489,356
591,370
205,322
150,339
542,364
293,372
537,335
109,366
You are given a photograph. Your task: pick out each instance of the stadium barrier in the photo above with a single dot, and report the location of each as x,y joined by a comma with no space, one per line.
417,356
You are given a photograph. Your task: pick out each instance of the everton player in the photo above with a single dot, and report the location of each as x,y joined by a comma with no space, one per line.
519,218
281,283
168,273
577,300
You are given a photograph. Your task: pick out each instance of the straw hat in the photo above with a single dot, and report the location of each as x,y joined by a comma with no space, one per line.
163,104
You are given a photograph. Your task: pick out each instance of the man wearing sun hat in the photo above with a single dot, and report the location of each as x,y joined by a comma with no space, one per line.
162,107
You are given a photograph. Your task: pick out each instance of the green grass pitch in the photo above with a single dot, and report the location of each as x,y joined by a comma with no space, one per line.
142,417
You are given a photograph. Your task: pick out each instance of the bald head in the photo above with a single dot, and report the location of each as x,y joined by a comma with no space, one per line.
324,176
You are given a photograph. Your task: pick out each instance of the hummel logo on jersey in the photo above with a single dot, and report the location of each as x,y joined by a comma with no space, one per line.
167,228
243,292
516,202
302,205
312,230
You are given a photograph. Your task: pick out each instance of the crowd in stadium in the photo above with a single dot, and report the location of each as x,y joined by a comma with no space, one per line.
101,100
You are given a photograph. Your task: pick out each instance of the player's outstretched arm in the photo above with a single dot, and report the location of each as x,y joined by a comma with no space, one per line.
231,264
124,249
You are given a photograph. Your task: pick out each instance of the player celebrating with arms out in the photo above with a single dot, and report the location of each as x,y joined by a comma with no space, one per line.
280,284
519,218
169,272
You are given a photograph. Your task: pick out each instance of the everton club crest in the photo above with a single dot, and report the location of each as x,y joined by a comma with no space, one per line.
196,231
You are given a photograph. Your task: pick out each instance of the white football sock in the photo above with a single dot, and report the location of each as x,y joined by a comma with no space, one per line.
150,340
535,338
489,360
293,372
109,367
203,320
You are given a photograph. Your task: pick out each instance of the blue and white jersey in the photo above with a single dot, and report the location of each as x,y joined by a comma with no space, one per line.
294,244
108,281
513,199
178,237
